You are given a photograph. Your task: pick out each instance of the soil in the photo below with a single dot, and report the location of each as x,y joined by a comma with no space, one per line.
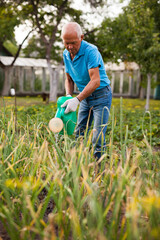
3,233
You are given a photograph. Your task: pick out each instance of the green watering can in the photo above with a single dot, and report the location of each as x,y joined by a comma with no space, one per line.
69,120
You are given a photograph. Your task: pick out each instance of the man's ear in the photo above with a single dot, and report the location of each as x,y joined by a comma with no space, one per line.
82,36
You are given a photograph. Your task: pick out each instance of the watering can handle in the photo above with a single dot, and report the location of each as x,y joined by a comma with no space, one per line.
62,111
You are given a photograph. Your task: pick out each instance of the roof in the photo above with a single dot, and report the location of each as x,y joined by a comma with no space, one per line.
33,62
122,66
24,62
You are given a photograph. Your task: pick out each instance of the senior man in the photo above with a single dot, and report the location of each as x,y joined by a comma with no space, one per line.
84,66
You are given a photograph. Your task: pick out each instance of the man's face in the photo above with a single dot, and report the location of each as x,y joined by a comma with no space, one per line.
72,43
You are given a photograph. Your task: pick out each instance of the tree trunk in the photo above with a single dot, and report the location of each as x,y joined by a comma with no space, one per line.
53,83
141,89
7,81
148,91
141,93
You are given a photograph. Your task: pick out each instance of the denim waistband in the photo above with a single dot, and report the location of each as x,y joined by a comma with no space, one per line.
101,90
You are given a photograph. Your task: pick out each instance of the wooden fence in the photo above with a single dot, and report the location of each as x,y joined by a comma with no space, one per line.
125,83
35,81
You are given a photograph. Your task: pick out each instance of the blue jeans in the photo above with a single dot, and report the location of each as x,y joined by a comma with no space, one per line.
97,107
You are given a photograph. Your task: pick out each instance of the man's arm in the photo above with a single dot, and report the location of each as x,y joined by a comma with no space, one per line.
69,85
93,84
72,104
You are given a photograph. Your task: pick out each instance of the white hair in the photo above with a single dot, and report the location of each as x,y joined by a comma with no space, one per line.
75,26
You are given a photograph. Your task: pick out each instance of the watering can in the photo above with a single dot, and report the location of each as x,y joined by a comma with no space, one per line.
68,120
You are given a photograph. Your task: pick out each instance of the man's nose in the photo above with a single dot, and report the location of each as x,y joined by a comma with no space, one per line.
70,46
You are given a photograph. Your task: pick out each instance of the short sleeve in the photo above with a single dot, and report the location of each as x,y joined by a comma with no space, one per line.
93,59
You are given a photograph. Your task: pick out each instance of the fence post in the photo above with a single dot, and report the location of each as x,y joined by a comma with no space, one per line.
121,82
131,84
138,83
32,79
64,77
112,82
148,91
43,79
53,85
21,79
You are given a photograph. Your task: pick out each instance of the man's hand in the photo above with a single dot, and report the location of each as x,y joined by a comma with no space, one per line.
71,105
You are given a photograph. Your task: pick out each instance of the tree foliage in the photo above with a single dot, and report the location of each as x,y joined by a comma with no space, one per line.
133,35
8,21
46,18
48,23
145,45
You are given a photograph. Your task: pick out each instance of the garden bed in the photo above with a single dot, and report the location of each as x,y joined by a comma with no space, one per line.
51,188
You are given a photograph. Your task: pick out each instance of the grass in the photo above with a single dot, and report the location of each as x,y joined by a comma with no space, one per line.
54,189
130,104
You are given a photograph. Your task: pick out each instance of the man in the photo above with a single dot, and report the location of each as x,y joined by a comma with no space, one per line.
84,66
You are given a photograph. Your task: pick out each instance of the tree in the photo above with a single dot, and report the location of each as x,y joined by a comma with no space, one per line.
9,19
112,39
145,46
46,17
135,36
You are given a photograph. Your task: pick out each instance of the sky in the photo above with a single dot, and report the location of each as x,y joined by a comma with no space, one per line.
112,9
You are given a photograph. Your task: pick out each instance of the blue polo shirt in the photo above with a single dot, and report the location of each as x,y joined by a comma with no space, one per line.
87,57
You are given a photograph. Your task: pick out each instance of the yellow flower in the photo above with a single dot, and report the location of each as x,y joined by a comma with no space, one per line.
148,202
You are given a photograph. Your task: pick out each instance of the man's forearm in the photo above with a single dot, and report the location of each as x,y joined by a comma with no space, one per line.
93,84
69,86
91,87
